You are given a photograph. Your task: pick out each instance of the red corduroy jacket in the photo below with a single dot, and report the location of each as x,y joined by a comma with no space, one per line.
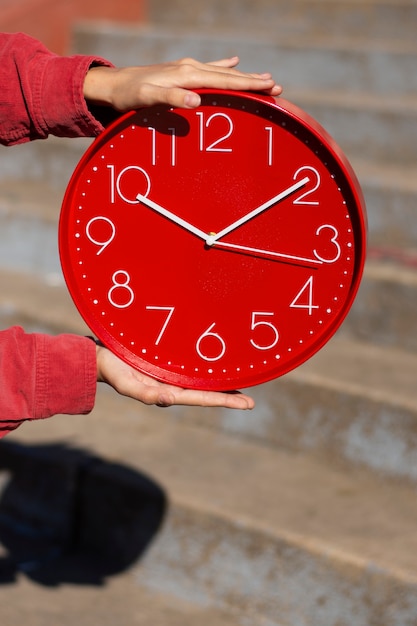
42,94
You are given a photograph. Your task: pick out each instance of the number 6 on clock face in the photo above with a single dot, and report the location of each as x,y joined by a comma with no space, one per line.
215,248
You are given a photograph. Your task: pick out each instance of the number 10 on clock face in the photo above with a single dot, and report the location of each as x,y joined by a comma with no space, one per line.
215,248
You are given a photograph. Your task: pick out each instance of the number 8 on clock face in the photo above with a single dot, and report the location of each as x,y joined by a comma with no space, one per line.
215,248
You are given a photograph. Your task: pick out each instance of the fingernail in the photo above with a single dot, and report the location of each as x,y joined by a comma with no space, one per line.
192,100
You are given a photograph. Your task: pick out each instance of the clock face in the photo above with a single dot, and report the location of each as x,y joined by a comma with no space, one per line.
215,248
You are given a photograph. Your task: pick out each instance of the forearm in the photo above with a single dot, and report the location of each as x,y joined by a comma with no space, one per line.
43,376
42,93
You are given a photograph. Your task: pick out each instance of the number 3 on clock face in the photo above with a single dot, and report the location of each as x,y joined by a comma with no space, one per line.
215,248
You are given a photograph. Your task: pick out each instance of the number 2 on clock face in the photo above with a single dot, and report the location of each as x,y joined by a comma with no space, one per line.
214,248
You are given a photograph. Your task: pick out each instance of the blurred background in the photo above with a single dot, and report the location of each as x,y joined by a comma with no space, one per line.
301,513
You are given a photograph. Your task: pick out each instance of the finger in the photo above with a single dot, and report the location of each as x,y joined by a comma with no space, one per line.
151,392
191,99
182,97
231,70
231,79
231,64
173,96
191,397
226,67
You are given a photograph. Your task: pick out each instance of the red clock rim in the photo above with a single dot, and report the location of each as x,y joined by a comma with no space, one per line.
299,116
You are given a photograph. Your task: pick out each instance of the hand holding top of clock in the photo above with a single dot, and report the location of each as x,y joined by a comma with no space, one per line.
129,382
170,83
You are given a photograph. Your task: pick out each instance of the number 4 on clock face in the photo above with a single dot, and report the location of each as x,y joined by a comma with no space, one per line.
215,248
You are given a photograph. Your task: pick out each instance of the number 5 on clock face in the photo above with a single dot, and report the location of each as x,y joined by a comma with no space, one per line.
215,248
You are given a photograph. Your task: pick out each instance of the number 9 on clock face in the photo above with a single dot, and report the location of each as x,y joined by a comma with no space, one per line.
215,248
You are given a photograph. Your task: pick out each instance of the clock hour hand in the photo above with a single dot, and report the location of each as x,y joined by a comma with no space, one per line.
171,216
298,260
281,196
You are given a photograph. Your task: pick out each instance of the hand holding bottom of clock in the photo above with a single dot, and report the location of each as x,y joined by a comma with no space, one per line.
169,83
129,382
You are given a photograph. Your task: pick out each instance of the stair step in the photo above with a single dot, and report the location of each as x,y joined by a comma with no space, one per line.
365,126
353,403
51,161
390,192
385,308
28,227
316,63
40,303
120,601
371,19
264,531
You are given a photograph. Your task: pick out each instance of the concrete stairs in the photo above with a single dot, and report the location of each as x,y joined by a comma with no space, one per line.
302,512
51,21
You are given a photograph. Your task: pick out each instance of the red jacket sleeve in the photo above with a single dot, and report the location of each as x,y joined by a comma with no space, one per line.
42,376
41,93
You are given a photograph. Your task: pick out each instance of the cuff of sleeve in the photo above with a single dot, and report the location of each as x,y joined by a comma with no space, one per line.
66,375
61,98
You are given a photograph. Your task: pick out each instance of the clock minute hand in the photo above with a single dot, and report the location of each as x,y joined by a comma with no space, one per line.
283,194
171,216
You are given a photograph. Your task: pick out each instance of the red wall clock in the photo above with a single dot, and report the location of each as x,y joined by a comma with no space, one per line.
215,248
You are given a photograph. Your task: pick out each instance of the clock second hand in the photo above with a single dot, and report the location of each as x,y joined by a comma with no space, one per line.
299,260
171,216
